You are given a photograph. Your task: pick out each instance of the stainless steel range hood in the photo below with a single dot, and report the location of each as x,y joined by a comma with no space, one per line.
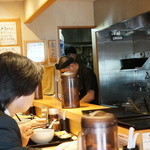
138,28
138,22
77,36
126,27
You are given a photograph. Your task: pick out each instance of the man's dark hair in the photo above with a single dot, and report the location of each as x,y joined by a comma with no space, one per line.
19,76
69,50
64,62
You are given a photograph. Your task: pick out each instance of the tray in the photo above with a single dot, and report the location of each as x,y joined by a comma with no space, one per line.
56,141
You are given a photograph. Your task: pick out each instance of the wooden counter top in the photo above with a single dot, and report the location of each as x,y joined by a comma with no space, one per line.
73,113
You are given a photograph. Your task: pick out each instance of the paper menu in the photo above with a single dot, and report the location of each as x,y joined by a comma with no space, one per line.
146,140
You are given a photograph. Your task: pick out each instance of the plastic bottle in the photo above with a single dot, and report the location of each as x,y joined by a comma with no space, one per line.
61,43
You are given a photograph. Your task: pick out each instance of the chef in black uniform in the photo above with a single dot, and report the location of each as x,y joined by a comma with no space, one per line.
88,87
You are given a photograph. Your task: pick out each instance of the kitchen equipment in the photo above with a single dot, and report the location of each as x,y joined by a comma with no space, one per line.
70,96
99,132
54,115
130,105
123,63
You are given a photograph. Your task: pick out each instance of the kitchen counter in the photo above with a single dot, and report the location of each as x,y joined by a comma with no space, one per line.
75,114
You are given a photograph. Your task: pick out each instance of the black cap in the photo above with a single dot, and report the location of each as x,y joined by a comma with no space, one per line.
64,62
70,50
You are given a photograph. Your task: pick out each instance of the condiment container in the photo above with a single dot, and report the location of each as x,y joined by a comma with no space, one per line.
99,132
44,112
70,93
54,115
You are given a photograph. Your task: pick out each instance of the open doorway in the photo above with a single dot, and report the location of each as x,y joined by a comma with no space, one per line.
79,38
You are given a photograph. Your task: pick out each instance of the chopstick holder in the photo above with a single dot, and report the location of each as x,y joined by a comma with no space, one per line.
132,137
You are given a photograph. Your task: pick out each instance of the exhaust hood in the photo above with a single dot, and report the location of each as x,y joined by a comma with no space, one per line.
138,28
77,36
129,26
138,22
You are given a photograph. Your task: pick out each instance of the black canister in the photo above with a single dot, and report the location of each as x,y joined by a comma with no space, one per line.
70,93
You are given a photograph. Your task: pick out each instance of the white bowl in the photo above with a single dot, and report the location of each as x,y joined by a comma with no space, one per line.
41,136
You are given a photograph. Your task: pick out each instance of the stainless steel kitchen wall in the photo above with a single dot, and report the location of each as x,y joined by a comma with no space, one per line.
125,41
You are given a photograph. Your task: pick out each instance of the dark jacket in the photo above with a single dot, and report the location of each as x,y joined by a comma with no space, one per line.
10,137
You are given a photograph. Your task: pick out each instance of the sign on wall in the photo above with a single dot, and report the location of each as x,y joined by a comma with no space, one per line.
36,51
15,49
10,35
52,51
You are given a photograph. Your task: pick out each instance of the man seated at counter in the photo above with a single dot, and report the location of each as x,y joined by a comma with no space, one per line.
19,78
88,87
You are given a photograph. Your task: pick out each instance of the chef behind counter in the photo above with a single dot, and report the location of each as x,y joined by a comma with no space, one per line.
88,87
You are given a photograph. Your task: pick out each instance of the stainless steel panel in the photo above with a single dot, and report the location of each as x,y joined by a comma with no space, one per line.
117,85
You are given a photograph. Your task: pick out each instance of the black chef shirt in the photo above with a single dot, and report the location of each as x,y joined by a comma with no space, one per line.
87,81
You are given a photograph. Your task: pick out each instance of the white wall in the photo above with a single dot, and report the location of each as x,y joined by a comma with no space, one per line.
62,13
13,10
